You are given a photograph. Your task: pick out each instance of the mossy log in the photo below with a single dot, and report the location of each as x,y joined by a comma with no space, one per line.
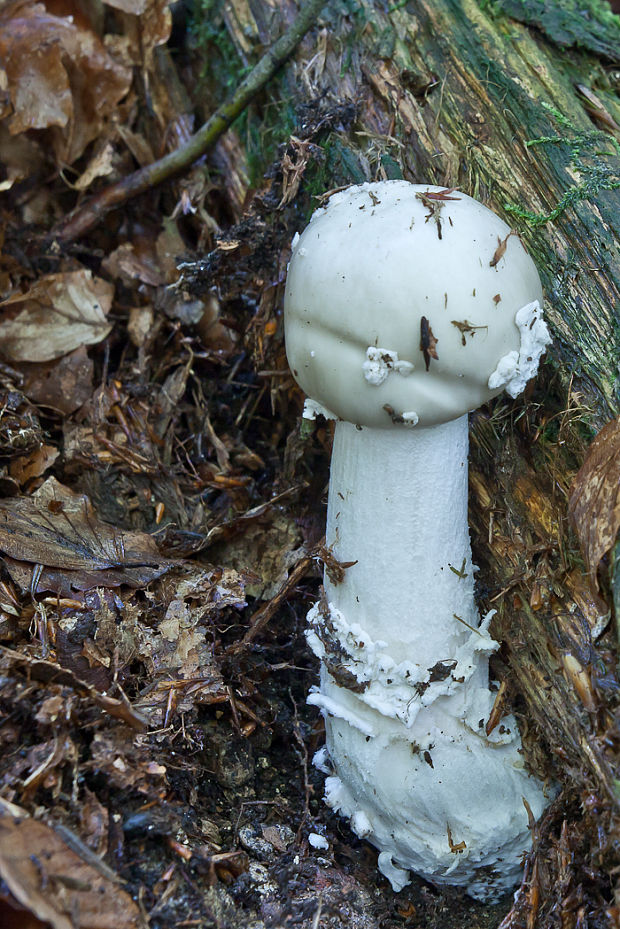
450,92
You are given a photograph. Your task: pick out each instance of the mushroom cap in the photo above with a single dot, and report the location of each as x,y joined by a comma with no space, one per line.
381,272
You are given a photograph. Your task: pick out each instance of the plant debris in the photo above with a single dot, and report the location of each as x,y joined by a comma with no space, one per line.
162,516
594,504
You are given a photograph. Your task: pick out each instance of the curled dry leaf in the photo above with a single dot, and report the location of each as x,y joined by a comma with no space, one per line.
60,313
594,505
59,77
54,882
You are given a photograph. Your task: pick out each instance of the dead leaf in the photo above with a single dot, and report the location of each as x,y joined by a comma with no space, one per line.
440,195
594,505
25,469
278,837
60,77
95,822
48,671
57,315
54,882
294,164
500,250
21,157
125,761
135,261
135,7
64,582
596,108
58,528
100,165
147,31
140,324
64,384
428,342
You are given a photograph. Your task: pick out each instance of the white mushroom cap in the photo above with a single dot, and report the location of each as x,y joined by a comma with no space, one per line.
380,268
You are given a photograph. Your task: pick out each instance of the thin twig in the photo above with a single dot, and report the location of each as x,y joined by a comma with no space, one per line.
263,615
84,218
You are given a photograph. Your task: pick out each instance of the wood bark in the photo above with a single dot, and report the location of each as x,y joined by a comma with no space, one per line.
448,93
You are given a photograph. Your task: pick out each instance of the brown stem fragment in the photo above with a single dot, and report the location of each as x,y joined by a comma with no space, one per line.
85,217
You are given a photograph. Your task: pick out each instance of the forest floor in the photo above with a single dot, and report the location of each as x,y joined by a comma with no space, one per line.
161,516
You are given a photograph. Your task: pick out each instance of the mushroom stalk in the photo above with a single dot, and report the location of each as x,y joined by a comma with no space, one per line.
398,508
404,684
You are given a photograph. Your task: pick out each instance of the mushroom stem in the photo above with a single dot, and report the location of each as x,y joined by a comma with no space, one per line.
398,507
404,682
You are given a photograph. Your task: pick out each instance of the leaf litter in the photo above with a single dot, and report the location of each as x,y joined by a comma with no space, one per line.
160,514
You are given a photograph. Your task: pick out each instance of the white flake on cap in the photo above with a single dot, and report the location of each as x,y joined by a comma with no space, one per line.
380,362
312,409
515,369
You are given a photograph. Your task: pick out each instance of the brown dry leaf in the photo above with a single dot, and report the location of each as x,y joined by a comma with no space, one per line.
140,324
135,261
178,653
43,759
38,669
60,76
594,505
126,761
100,165
146,31
180,643
57,315
21,158
129,6
294,166
24,469
95,822
59,528
62,385
52,881
64,583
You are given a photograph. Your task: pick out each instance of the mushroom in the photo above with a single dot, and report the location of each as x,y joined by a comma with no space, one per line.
407,306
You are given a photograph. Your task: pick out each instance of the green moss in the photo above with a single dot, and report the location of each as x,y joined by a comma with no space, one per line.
263,129
221,65
594,155
491,8
586,24
339,167
262,126
393,170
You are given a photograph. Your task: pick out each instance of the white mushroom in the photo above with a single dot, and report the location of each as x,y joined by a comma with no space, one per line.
407,306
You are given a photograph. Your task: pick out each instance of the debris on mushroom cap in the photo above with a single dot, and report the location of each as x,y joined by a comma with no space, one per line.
312,409
515,369
380,362
369,271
